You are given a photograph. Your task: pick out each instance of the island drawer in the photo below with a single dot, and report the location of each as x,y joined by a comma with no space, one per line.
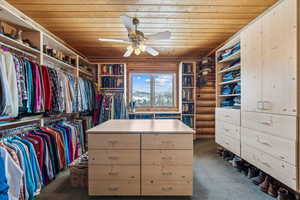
114,141
167,141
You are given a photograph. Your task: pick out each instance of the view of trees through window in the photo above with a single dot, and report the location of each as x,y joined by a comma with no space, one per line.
153,89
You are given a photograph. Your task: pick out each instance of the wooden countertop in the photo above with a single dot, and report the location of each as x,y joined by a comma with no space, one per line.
161,126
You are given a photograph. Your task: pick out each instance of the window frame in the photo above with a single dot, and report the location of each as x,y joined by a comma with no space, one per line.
152,107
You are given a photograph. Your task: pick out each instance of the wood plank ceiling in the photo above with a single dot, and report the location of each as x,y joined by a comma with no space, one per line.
197,26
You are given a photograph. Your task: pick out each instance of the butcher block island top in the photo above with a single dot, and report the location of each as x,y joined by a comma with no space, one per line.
161,126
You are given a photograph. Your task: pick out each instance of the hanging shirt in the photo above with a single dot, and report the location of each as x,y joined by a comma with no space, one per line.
12,83
3,181
13,174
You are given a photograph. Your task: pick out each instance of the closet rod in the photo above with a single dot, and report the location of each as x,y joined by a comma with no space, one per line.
14,48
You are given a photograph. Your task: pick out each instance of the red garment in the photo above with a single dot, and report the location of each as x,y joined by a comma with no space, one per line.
47,88
39,148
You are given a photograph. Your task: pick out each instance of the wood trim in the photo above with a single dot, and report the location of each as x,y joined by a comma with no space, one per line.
153,67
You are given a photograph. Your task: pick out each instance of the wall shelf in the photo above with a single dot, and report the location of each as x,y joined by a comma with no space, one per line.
102,75
234,56
230,82
233,68
19,45
230,95
57,61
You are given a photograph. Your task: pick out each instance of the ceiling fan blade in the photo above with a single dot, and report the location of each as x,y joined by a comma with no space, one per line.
160,36
128,22
128,52
151,51
113,40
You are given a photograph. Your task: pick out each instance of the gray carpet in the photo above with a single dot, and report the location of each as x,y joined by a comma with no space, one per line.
214,179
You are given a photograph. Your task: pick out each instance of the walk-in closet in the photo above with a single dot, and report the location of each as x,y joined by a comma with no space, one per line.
149,99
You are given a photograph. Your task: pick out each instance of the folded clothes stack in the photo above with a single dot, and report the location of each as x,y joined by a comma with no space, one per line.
234,75
230,52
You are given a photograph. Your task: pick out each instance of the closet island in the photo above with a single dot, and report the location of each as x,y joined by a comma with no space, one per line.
141,157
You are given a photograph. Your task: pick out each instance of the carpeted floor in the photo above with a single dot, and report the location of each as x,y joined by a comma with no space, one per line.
214,179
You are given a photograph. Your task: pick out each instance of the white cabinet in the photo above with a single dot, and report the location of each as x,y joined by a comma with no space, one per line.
269,62
269,121
279,53
251,81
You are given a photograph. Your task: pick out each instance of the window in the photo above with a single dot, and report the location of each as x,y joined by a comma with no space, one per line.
153,89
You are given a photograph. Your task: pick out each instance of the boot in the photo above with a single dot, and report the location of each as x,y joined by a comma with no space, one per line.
258,179
264,186
283,194
252,172
273,189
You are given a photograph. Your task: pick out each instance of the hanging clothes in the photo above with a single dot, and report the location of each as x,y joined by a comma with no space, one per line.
34,158
110,107
86,95
28,88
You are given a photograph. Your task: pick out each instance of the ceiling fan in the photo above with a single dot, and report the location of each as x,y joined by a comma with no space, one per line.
137,39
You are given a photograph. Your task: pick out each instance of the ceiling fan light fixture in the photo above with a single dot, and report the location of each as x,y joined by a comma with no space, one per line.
137,51
142,47
129,47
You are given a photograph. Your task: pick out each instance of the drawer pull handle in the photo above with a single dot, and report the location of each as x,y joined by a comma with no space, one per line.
113,142
263,143
167,142
266,123
282,157
113,188
113,173
166,158
266,164
227,116
167,173
260,105
227,143
226,129
113,158
167,188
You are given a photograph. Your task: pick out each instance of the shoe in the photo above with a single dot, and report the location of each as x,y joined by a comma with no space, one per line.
258,179
273,189
252,172
220,151
227,155
245,168
264,186
283,194
237,163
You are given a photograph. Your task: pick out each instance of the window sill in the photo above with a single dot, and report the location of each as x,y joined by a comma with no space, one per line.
155,112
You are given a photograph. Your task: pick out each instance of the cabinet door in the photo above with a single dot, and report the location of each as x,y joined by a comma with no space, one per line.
279,51
251,62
